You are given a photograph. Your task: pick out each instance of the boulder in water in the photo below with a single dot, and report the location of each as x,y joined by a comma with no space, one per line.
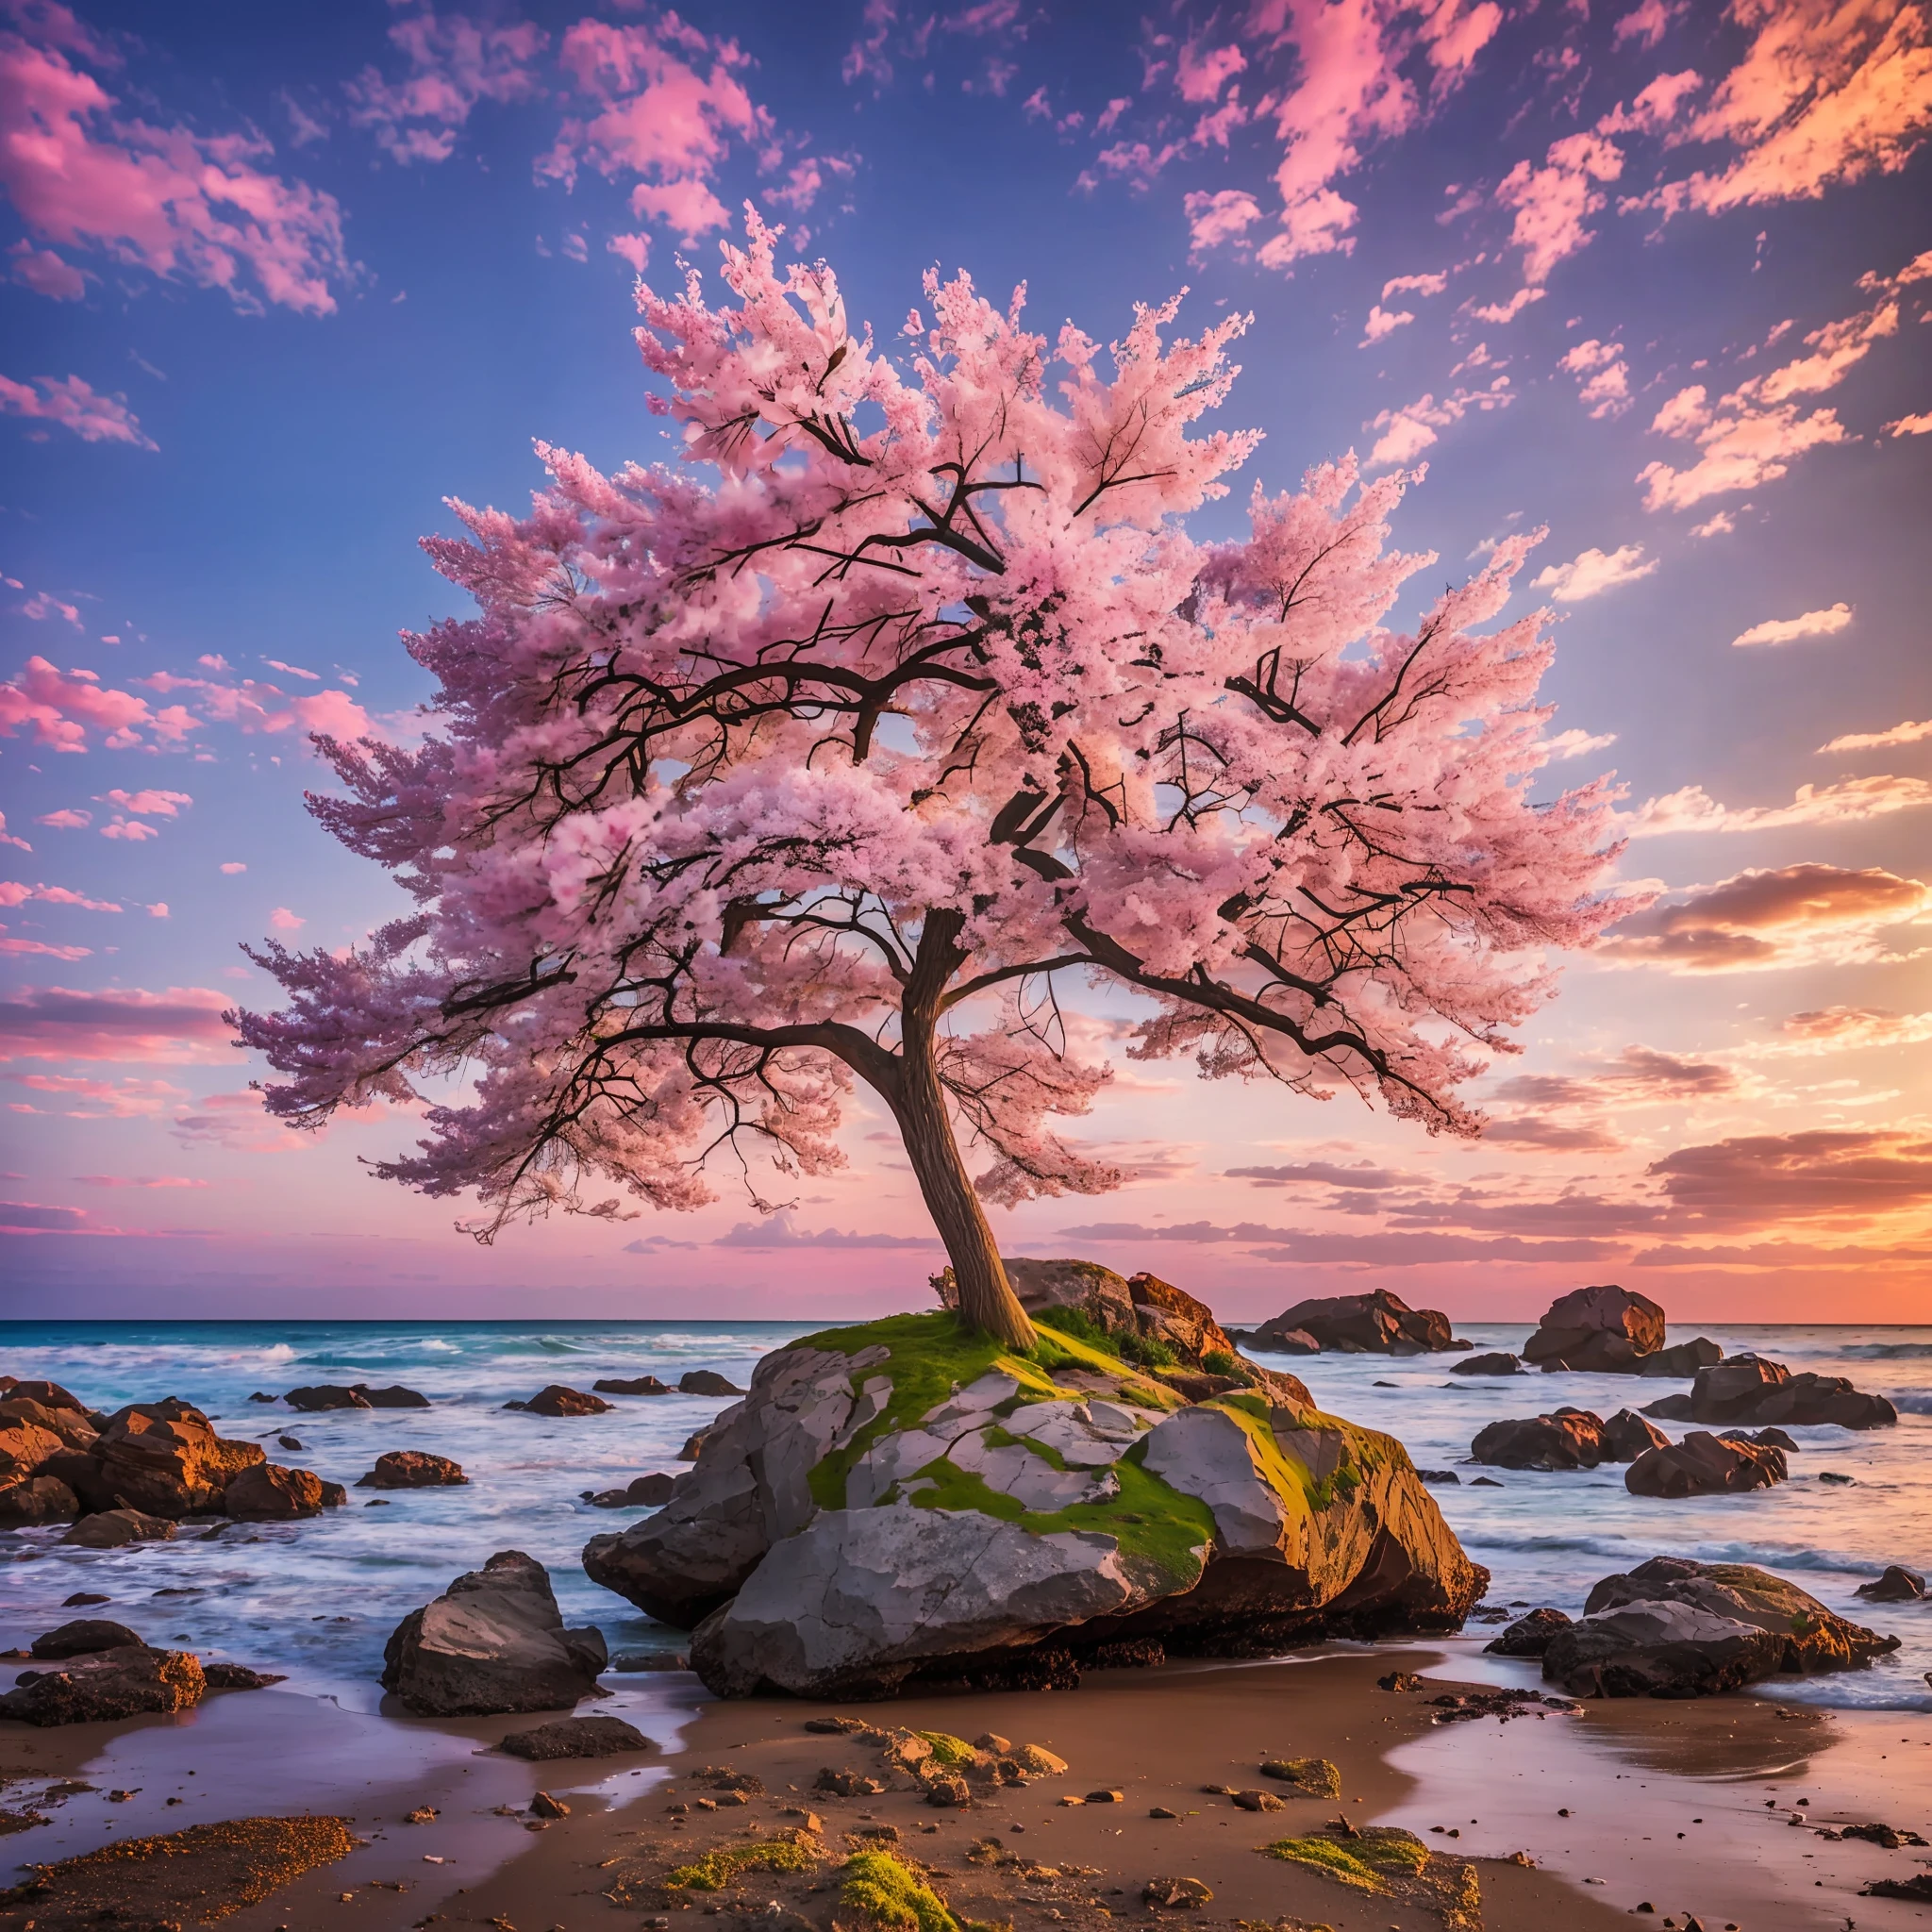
1626,1436
1570,1439
413,1469
37,1500
321,1397
1376,1323
1682,1359
1761,1439
163,1459
637,1385
271,1494
1812,1637
82,1637
1236,1526
1529,1636
577,1737
493,1642
70,1426
1704,1465
1753,1392
1897,1585
1598,1330
1492,1364
1659,1649
394,1396
113,1529
132,1680
558,1400
705,1382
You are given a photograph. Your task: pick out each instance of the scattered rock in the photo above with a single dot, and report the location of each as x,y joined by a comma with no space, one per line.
1256,1801
1601,1330
270,1494
544,1806
394,1396
412,1469
1807,1636
130,1681
1627,1434
1176,1894
493,1642
1897,1585
705,1382
1439,1477
558,1400
1529,1636
160,1457
1570,1439
643,1492
1704,1465
1682,1359
111,1529
36,1500
1833,1476
1493,1364
1399,1680
636,1385
1761,1439
1315,1778
261,1395
577,1737
1376,1323
1917,1887
225,1676
292,1444
1752,1391
83,1636
84,1596
325,1395
1892,1838
1486,1482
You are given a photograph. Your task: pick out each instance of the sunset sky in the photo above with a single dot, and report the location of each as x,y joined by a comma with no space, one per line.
1658,276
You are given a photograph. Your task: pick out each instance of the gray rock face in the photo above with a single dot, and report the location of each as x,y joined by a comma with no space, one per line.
748,1489
1659,1649
1570,1439
1681,1358
1705,1465
1896,1585
492,1643
1529,1636
1206,1453
1096,1291
1626,1436
84,1636
863,1597
1376,1323
1600,1329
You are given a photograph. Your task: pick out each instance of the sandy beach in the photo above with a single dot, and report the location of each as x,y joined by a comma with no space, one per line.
1594,1798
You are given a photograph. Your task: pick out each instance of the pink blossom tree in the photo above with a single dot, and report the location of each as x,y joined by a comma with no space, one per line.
831,754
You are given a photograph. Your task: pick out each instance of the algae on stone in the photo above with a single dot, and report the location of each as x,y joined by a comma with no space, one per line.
721,1868
893,1896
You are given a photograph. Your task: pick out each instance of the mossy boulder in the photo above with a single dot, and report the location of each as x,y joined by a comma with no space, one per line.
908,1502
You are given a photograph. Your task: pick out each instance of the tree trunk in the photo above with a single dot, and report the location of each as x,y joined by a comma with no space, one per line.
987,1301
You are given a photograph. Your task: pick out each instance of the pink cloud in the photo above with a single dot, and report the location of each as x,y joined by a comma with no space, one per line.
182,1025
66,820
1407,432
17,892
1786,630
1646,23
43,949
1224,216
1692,809
159,910
1554,202
285,921
44,604
635,249
1605,385
1201,75
1826,94
134,1180
74,405
688,205
1509,311
292,670
160,198
45,272
133,830
62,707
454,63
8,838
237,1120
1381,323
103,1099
1595,571
153,804
233,866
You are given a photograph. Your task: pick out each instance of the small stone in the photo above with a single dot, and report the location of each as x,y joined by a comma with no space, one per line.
1161,1811
544,1806
422,1814
1179,1894
1107,1797
1257,1801
1068,1798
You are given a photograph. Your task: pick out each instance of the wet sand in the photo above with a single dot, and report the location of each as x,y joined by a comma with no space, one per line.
1632,1776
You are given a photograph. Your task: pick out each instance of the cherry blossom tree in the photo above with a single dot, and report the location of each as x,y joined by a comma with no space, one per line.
835,752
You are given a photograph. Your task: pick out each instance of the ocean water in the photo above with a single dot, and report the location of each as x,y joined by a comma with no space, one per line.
318,1599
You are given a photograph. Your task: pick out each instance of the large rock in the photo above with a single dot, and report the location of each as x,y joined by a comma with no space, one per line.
577,1737
1377,1323
412,1469
1500,1363
1599,1329
1811,1637
1705,1465
82,1637
70,1424
1751,1392
1659,1649
1163,1312
26,1448
271,1494
902,1503
114,1529
707,1382
1681,1358
393,1396
1895,1585
1100,1294
1626,1436
163,1459
1529,1636
493,1642
635,1384
1570,1439
131,1681
319,1398
557,1400
39,1499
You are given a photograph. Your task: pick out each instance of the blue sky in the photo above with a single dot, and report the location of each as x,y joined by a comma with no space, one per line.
230,410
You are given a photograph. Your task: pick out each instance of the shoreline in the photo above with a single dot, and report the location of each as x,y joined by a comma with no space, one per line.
1631,1774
